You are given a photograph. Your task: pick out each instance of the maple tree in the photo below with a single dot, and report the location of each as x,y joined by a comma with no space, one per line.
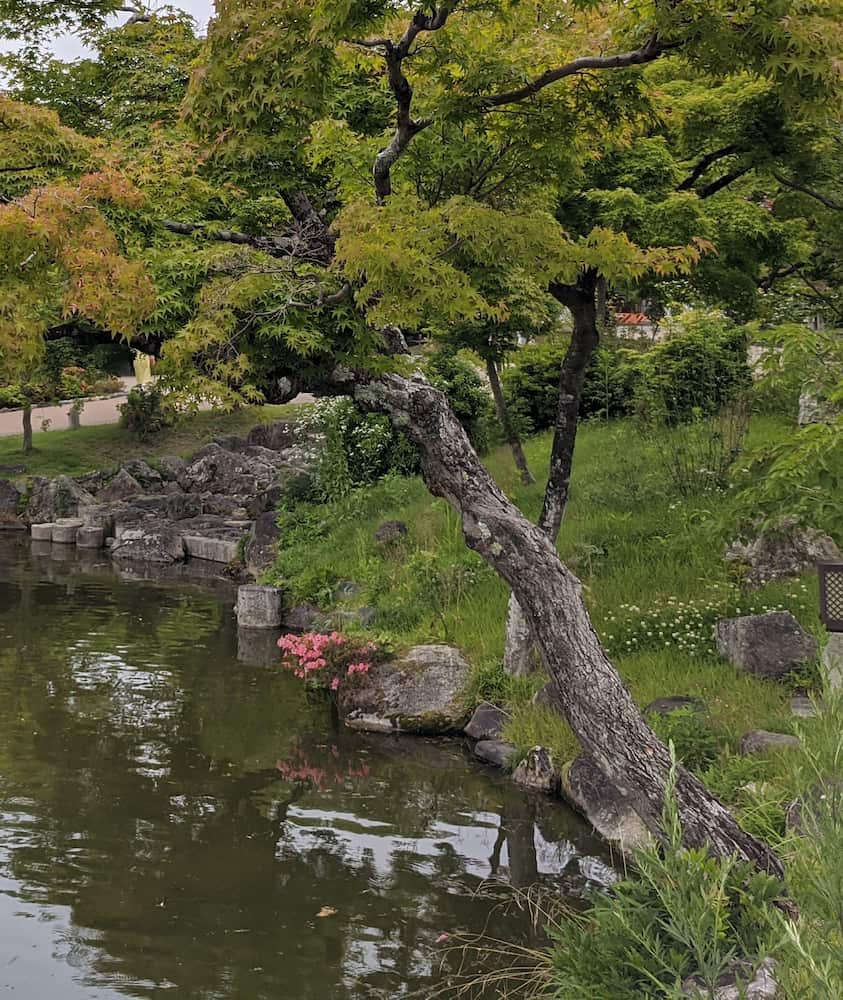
377,160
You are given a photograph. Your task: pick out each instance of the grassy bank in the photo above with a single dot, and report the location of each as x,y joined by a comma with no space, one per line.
650,561
76,452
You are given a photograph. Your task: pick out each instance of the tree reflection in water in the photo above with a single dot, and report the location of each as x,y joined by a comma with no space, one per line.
182,818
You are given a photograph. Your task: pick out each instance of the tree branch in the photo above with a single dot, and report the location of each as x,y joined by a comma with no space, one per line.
406,127
651,50
707,161
823,199
709,189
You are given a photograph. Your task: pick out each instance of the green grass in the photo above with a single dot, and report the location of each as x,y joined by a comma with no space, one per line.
88,448
639,549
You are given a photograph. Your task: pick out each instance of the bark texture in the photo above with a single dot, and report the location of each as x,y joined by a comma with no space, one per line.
510,433
581,299
587,688
27,429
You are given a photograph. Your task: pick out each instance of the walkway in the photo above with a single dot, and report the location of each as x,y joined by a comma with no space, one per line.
98,410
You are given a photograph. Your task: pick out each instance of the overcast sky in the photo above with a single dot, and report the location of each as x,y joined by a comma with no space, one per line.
69,47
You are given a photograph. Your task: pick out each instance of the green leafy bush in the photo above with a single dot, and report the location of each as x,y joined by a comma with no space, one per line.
146,412
531,383
466,394
356,448
693,373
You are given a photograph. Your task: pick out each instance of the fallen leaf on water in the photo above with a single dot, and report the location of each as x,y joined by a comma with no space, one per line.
326,911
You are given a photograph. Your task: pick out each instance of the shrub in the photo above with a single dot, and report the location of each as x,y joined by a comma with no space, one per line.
531,383
357,448
694,373
467,396
683,913
326,660
146,412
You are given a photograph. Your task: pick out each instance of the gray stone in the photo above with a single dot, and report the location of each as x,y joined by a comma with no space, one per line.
10,499
262,544
143,473
171,506
788,550
217,470
171,467
768,645
802,707
603,804
390,533
495,752
740,982
487,722
150,541
42,532
537,772
90,538
51,499
814,410
276,436
421,692
825,797
761,741
64,531
123,486
345,590
832,660
258,606
365,616
673,703
305,618
221,550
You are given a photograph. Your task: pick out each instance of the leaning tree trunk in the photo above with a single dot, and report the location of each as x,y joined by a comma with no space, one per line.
509,431
519,656
586,686
27,428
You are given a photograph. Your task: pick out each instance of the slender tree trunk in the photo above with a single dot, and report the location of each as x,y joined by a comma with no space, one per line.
519,655
509,431
586,686
27,428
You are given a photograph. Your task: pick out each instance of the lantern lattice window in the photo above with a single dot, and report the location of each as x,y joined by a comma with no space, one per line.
831,595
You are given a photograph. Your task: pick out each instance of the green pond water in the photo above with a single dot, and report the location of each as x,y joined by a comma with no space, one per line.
175,812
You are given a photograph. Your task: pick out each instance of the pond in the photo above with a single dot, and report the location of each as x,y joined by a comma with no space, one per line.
177,821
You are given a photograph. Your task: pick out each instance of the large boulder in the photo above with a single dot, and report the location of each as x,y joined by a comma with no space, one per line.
149,541
173,506
213,538
262,544
10,499
815,410
786,551
675,703
608,810
390,533
421,692
150,479
217,470
305,618
53,499
767,645
123,486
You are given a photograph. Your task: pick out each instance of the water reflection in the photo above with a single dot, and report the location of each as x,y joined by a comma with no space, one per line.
174,821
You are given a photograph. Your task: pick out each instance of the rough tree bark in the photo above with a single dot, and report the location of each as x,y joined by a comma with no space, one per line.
27,428
519,649
586,687
509,431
